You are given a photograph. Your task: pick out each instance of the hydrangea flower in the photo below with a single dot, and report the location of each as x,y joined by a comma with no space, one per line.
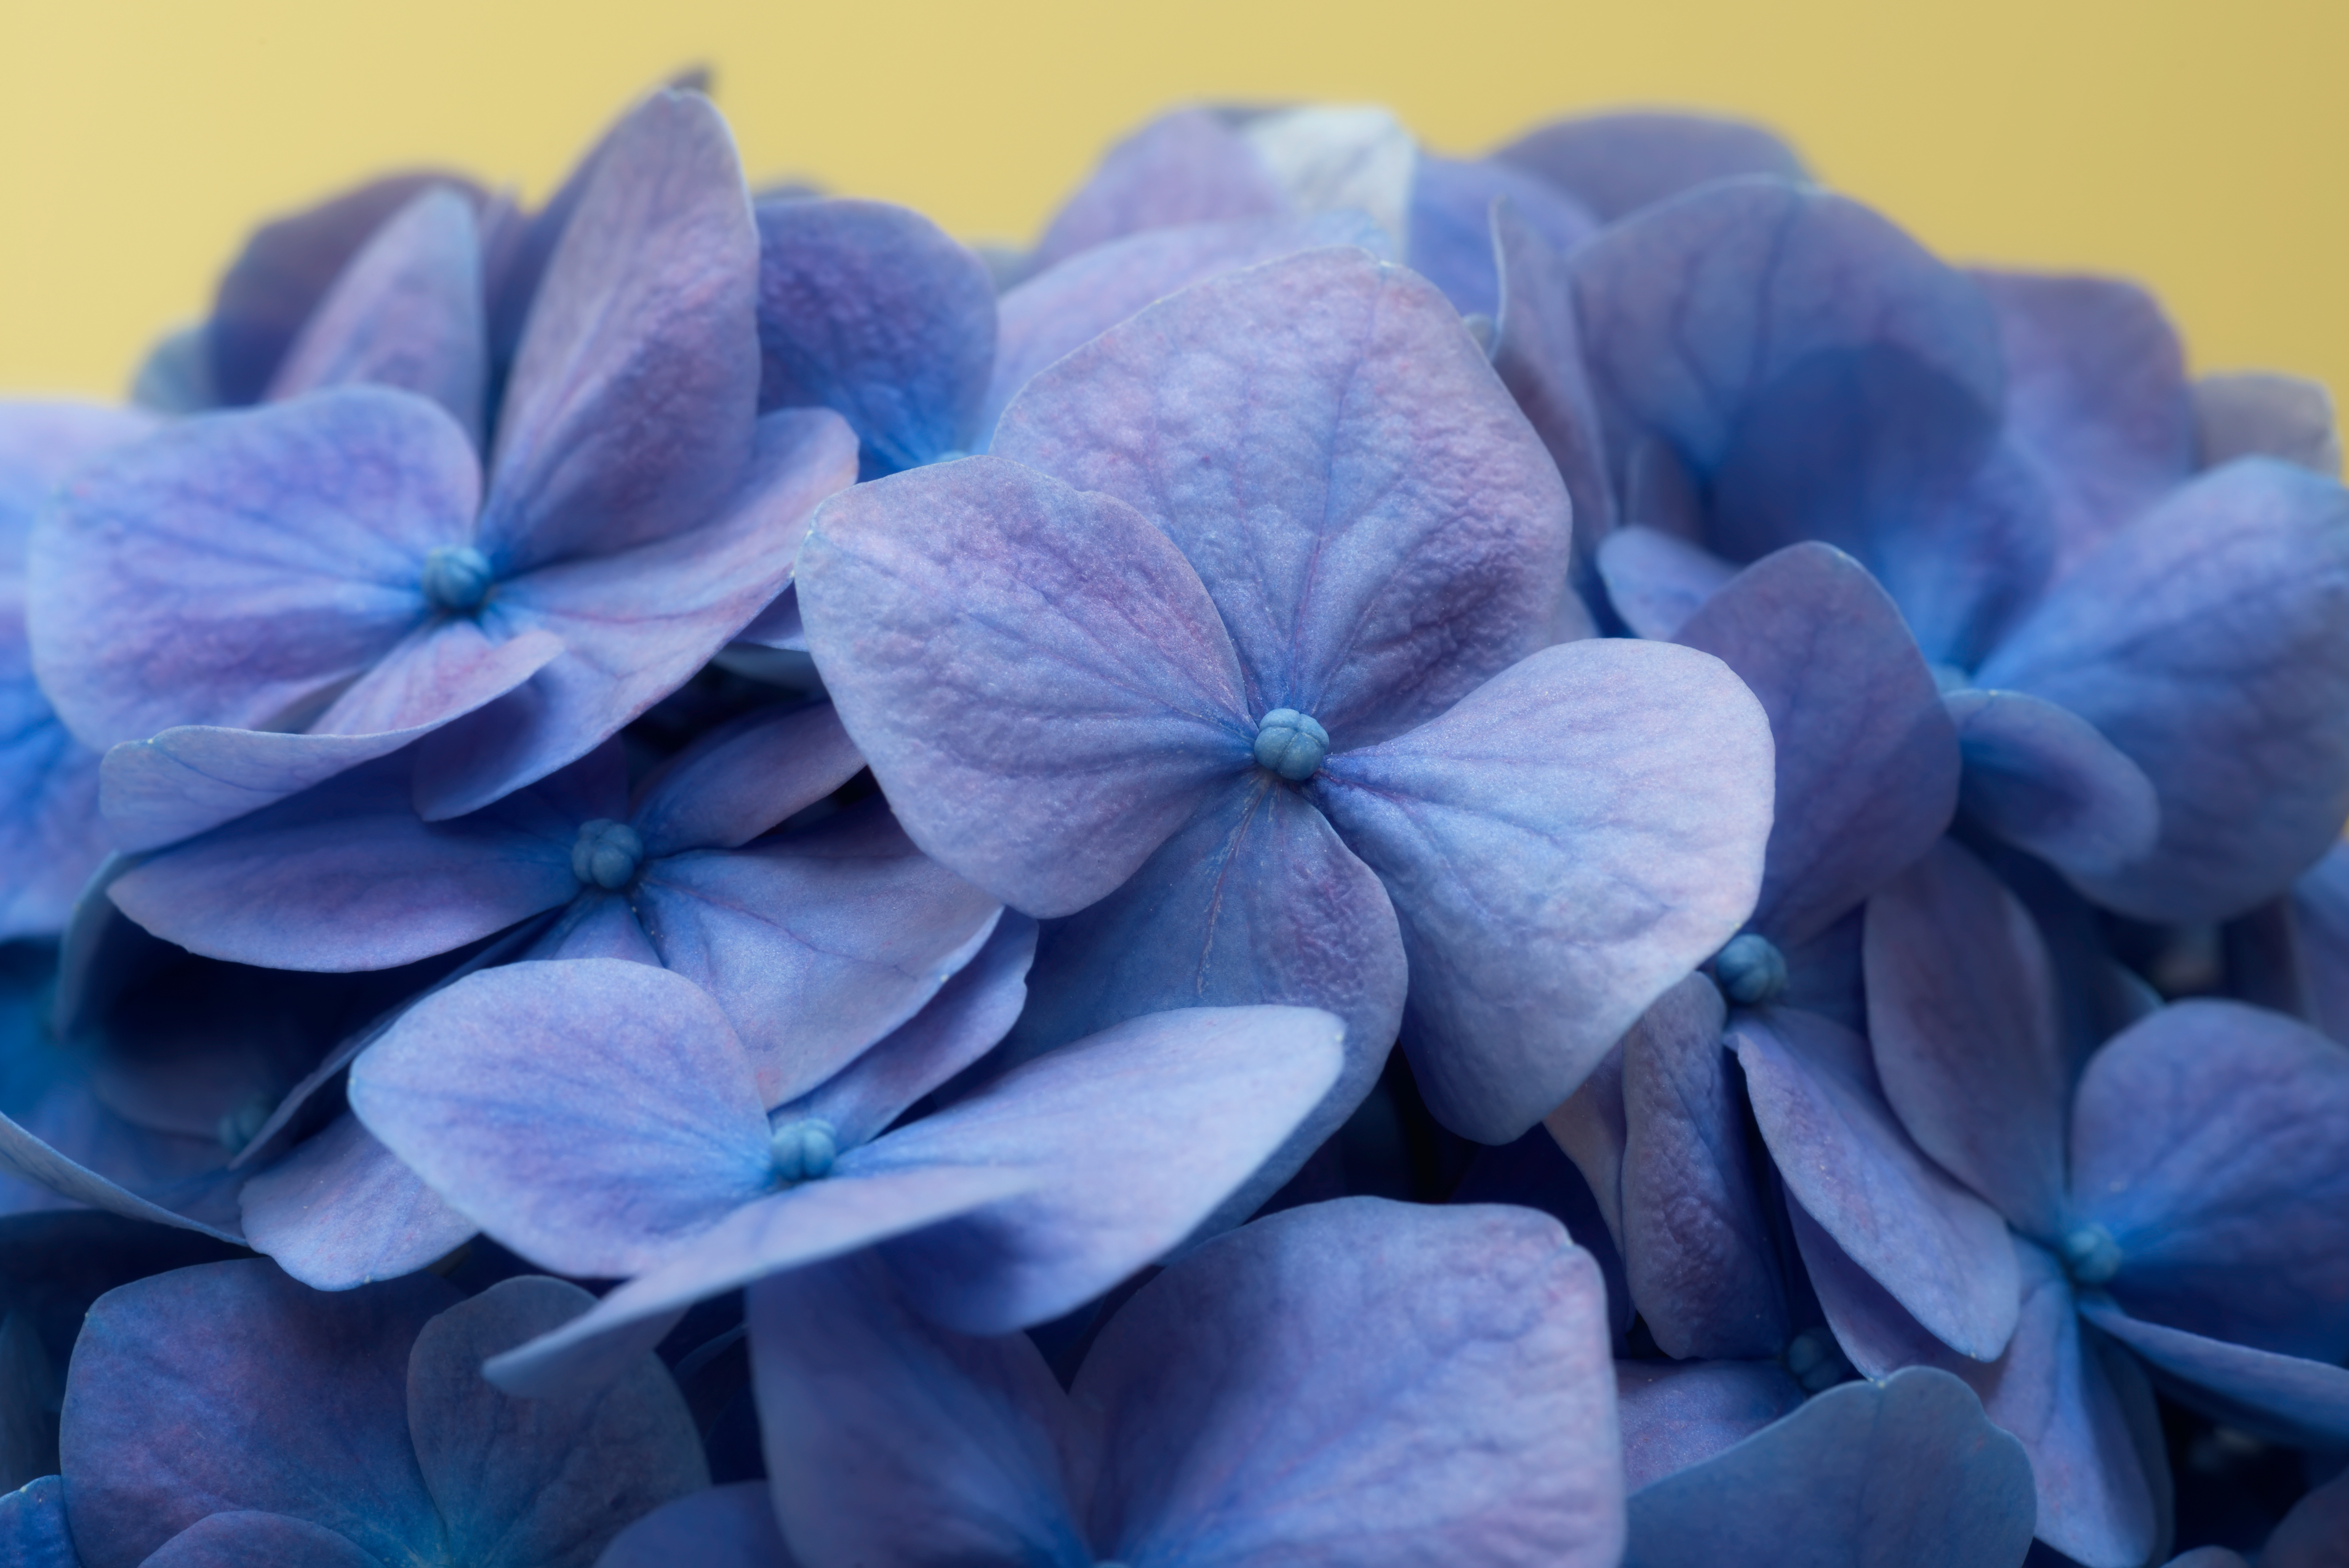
1236,644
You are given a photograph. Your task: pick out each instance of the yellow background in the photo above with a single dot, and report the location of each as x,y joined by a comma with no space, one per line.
2195,145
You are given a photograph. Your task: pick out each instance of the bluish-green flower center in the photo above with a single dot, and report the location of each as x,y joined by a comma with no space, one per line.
2091,1255
456,578
1291,744
607,855
1751,970
1816,1361
804,1149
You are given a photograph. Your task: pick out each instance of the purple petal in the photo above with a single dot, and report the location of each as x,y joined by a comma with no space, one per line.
1055,311
2096,397
805,1224
241,568
741,778
1568,841
871,310
779,625
726,1527
245,1539
815,944
1657,582
630,414
1593,1126
287,1400
2262,414
637,623
1043,688
41,443
1699,1255
1537,355
540,1481
1451,224
1940,1251
1256,900
1867,759
1969,1044
33,1525
2064,1394
2209,641
963,1021
1187,166
595,925
1906,1470
1257,1409
345,876
28,1157
194,777
1676,1414
1374,521
2285,1398
2044,779
2207,1141
891,1441
1136,1134
1616,163
591,1115
341,1210
408,311
51,836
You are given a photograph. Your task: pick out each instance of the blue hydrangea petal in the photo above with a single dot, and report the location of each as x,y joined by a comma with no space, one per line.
2260,413
1656,580
1451,224
1969,1044
2313,1530
2285,1398
1565,842
892,1440
637,625
816,944
246,1538
1616,163
229,1385
1938,1249
540,1480
741,778
1536,352
596,924
345,876
1676,1414
2320,918
780,624
1906,1470
2207,1140
32,1527
191,778
339,1209
630,413
1373,519
52,836
966,1018
238,569
407,311
1698,1252
2080,1408
726,1527
1591,1126
1043,688
873,311
1138,1134
1867,757
1055,311
591,1115
1253,1412
2209,641
1185,166
38,1162
2045,780
41,444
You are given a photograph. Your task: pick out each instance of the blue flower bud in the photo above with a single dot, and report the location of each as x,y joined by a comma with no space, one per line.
237,1127
1816,1362
607,855
804,1149
2092,1255
1290,744
1751,970
456,578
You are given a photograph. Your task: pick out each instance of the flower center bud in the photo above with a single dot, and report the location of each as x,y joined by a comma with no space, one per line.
1290,744
804,1149
456,578
607,855
238,1128
1751,970
2092,1255
1816,1362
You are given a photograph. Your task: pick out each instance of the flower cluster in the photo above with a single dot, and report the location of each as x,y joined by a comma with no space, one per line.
1561,859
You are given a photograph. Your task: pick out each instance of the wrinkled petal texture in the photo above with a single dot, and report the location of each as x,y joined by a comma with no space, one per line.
341,1210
